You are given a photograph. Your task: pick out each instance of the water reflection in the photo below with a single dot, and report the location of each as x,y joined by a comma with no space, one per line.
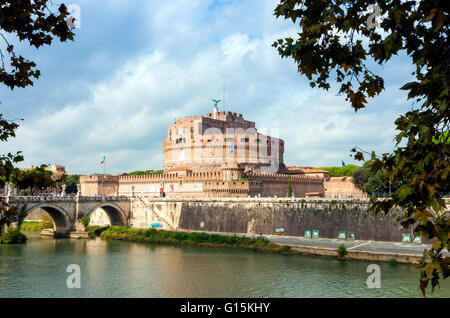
124,269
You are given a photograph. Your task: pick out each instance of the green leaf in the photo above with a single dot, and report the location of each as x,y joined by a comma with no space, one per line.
409,85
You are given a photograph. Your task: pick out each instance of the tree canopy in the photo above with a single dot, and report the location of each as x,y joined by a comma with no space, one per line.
35,23
373,182
335,44
35,179
345,171
70,182
139,172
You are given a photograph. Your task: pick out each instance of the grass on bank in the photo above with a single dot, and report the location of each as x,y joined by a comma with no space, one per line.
37,226
192,239
34,226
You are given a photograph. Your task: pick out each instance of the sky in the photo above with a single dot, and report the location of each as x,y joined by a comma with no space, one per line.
135,66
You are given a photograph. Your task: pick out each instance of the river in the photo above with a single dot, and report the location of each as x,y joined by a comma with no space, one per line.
127,269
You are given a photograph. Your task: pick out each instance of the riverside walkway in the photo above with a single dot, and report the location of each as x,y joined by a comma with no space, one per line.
367,246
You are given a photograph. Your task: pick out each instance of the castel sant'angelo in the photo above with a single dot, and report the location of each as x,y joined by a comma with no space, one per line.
219,154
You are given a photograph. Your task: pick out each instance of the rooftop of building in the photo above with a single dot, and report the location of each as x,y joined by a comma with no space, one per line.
228,116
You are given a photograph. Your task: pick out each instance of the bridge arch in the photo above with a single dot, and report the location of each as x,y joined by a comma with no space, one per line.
59,216
116,215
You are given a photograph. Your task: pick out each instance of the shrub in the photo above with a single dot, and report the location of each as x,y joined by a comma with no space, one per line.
150,232
96,229
285,249
392,262
342,250
24,192
85,220
13,236
46,223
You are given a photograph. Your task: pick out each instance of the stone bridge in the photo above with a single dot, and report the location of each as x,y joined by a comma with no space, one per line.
67,211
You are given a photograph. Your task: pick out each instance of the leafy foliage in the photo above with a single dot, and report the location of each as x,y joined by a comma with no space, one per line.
146,172
373,181
70,182
289,187
24,192
340,171
46,223
96,229
85,220
342,250
34,179
334,40
13,236
34,22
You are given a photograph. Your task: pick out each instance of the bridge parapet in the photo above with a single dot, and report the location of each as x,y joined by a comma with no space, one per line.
40,199
103,199
34,199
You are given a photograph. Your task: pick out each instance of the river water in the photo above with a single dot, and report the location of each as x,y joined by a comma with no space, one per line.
127,269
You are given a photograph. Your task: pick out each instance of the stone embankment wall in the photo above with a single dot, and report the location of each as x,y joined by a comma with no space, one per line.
264,215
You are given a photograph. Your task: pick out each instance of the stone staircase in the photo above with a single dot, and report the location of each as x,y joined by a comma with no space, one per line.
166,222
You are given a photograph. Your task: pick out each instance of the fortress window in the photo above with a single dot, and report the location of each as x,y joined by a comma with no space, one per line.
192,129
245,140
257,141
229,139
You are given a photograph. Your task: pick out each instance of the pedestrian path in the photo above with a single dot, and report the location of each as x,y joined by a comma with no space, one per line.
369,246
